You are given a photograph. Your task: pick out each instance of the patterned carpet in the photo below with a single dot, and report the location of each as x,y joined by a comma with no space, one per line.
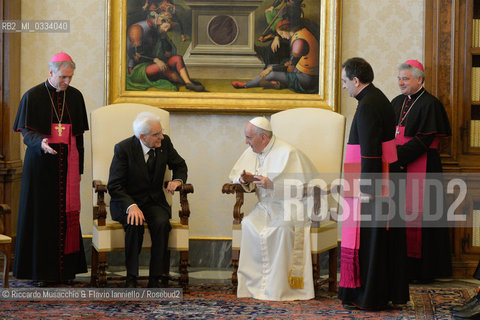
216,301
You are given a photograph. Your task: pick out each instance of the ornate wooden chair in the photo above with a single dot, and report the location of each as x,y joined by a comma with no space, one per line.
5,242
109,125
319,134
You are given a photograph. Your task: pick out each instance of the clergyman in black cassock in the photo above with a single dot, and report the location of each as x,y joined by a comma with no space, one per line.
52,119
373,255
421,120
137,196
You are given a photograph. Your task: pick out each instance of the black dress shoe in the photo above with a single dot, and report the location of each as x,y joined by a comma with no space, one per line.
349,306
153,283
470,303
45,284
164,283
471,313
353,306
131,282
421,281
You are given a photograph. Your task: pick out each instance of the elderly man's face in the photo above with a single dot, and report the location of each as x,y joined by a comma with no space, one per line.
62,78
154,138
407,83
257,142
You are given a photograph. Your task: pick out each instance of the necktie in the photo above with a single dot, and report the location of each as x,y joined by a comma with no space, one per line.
151,163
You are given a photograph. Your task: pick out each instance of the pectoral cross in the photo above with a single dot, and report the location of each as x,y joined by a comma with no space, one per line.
59,128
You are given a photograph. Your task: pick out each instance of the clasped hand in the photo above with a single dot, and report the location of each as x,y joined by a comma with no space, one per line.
258,180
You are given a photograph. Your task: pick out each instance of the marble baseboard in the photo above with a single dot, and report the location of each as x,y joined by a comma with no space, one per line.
214,254
202,254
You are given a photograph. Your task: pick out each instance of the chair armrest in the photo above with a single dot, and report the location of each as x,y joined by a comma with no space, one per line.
229,188
100,209
5,210
184,212
99,186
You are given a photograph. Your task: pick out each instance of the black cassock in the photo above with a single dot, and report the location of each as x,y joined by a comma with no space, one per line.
382,249
42,222
424,119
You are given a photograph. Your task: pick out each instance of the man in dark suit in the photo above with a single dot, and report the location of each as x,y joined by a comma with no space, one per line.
136,188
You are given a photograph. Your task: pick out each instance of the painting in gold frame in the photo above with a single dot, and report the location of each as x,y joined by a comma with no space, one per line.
234,101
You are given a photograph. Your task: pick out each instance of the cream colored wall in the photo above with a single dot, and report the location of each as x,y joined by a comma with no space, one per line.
210,144
86,44
385,32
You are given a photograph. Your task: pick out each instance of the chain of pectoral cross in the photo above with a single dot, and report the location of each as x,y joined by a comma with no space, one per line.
59,127
401,118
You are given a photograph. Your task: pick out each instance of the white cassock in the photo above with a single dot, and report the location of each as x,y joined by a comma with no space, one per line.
275,250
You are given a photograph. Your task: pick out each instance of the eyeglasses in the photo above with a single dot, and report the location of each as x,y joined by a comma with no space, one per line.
158,134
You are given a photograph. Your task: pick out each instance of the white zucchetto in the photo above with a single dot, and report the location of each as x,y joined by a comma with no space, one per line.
262,123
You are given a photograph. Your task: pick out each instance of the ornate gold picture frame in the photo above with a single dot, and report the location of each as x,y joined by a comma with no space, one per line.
236,101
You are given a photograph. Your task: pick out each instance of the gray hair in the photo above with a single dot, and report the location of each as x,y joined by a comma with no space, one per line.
143,123
259,131
417,73
55,66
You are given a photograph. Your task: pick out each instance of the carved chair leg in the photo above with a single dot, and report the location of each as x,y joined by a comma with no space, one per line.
6,267
94,270
102,269
183,268
315,269
9,263
332,269
234,264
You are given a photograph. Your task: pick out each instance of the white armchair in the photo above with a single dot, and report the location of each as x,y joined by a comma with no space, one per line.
109,125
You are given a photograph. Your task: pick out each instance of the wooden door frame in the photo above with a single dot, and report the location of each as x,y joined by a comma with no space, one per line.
10,162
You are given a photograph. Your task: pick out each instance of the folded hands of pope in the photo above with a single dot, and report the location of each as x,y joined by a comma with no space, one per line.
258,180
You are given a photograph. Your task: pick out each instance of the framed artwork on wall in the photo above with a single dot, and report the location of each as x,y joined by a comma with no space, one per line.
224,56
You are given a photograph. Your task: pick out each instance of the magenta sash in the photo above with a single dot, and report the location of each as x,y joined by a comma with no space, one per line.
350,262
414,192
349,259
72,210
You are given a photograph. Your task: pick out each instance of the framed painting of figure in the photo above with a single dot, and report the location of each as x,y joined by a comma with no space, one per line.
241,56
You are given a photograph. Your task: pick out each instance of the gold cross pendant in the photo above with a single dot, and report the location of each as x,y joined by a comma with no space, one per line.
60,128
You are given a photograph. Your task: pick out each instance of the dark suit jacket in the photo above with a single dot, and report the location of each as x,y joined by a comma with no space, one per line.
129,183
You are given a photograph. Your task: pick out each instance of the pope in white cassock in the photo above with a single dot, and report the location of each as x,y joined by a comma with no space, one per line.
275,259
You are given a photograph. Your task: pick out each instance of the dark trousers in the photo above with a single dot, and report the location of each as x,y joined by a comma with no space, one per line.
476,275
157,218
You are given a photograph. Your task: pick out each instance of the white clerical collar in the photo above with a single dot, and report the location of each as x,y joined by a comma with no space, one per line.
144,147
268,147
56,89
411,95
